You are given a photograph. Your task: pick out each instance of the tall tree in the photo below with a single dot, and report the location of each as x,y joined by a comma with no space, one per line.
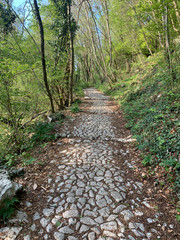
43,59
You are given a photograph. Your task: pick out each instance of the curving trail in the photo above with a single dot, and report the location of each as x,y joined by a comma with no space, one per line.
90,191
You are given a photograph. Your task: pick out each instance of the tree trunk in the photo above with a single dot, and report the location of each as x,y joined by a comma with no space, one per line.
176,12
41,29
103,68
71,80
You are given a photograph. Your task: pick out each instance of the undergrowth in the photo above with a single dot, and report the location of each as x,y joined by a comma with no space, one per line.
150,101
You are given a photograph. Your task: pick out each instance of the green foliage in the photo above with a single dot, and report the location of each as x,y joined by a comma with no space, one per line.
151,107
75,108
8,208
10,159
42,132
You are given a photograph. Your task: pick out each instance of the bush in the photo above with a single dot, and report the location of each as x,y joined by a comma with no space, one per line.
43,132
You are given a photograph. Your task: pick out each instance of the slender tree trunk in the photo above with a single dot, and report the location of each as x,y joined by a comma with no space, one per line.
103,68
141,26
156,21
106,10
166,35
167,40
71,80
176,12
41,29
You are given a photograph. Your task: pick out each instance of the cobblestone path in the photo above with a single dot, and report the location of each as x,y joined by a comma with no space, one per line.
92,193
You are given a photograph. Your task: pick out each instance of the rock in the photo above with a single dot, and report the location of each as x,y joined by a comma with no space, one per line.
83,228
119,209
36,216
111,226
116,196
104,212
10,233
101,202
16,172
20,217
91,236
88,221
8,189
44,222
111,218
27,237
59,236
127,215
109,234
66,230
48,212
71,214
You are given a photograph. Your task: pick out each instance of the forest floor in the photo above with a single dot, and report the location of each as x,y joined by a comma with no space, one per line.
91,184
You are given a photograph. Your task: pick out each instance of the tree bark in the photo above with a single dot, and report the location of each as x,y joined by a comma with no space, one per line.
71,62
41,29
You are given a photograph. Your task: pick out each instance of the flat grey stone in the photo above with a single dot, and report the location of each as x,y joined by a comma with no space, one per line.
66,230
99,220
71,214
44,222
127,214
36,216
88,221
10,233
83,228
49,227
27,237
59,209
72,221
111,226
119,209
19,217
109,234
33,227
117,197
111,217
59,236
91,236
48,212
88,213
104,212
72,238
101,202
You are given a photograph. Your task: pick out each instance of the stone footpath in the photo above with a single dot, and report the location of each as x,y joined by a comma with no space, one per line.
92,194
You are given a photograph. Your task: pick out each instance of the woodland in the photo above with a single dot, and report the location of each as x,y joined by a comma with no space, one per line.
50,51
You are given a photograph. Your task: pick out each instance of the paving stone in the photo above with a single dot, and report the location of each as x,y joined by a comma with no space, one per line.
104,212
88,213
44,222
101,203
109,226
27,237
36,216
119,209
109,234
66,230
91,236
10,233
71,214
127,214
88,221
83,228
117,197
111,217
48,212
99,220
59,236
